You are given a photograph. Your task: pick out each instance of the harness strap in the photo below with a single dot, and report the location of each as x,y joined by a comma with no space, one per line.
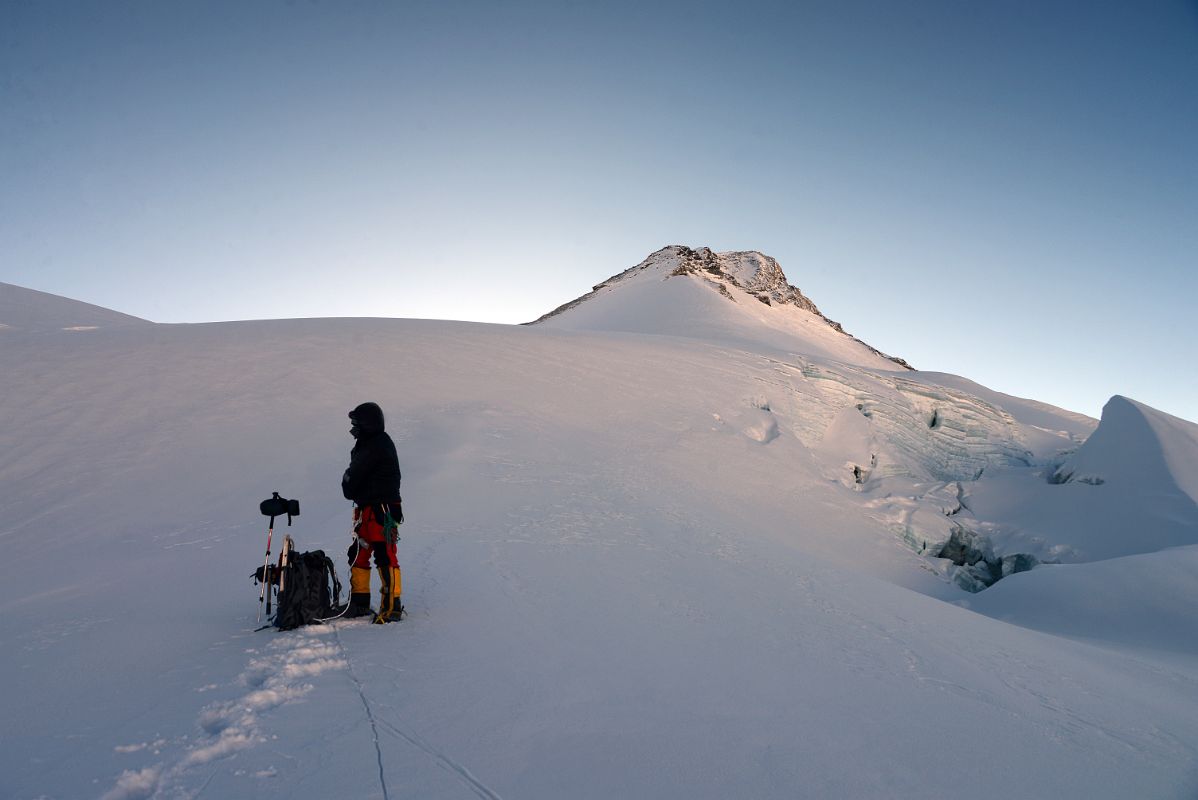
328,562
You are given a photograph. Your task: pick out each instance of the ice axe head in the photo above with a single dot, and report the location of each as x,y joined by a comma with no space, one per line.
279,506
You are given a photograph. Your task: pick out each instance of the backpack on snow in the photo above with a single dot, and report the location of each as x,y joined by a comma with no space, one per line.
304,593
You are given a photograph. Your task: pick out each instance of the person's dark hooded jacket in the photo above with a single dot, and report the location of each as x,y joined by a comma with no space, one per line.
373,475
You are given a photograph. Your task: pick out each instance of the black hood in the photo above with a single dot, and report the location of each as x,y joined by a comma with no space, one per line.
368,418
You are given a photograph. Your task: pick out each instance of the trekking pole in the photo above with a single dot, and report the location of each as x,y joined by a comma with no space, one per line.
264,593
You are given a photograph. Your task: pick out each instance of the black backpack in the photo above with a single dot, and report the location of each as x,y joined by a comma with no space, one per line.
304,596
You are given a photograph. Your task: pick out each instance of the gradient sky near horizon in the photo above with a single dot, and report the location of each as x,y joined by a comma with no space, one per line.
1004,190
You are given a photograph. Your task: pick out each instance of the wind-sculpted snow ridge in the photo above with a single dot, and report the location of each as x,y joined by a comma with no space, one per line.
738,276
1135,444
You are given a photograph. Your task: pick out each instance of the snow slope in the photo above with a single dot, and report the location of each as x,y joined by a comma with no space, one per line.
29,311
636,566
1129,602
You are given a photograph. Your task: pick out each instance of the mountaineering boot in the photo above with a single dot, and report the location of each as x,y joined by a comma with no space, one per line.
359,587
359,606
385,595
396,591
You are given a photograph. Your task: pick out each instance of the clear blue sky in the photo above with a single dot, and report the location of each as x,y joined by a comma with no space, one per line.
1004,190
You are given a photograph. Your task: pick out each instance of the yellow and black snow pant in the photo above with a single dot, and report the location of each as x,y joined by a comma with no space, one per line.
375,540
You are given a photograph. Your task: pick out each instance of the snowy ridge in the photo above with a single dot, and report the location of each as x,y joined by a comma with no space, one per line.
740,276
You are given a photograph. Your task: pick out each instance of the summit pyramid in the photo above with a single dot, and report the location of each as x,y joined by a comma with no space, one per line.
739,297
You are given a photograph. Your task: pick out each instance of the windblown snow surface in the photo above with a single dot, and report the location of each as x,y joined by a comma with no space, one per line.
668,564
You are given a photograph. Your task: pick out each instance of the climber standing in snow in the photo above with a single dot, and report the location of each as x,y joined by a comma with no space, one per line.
372,482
